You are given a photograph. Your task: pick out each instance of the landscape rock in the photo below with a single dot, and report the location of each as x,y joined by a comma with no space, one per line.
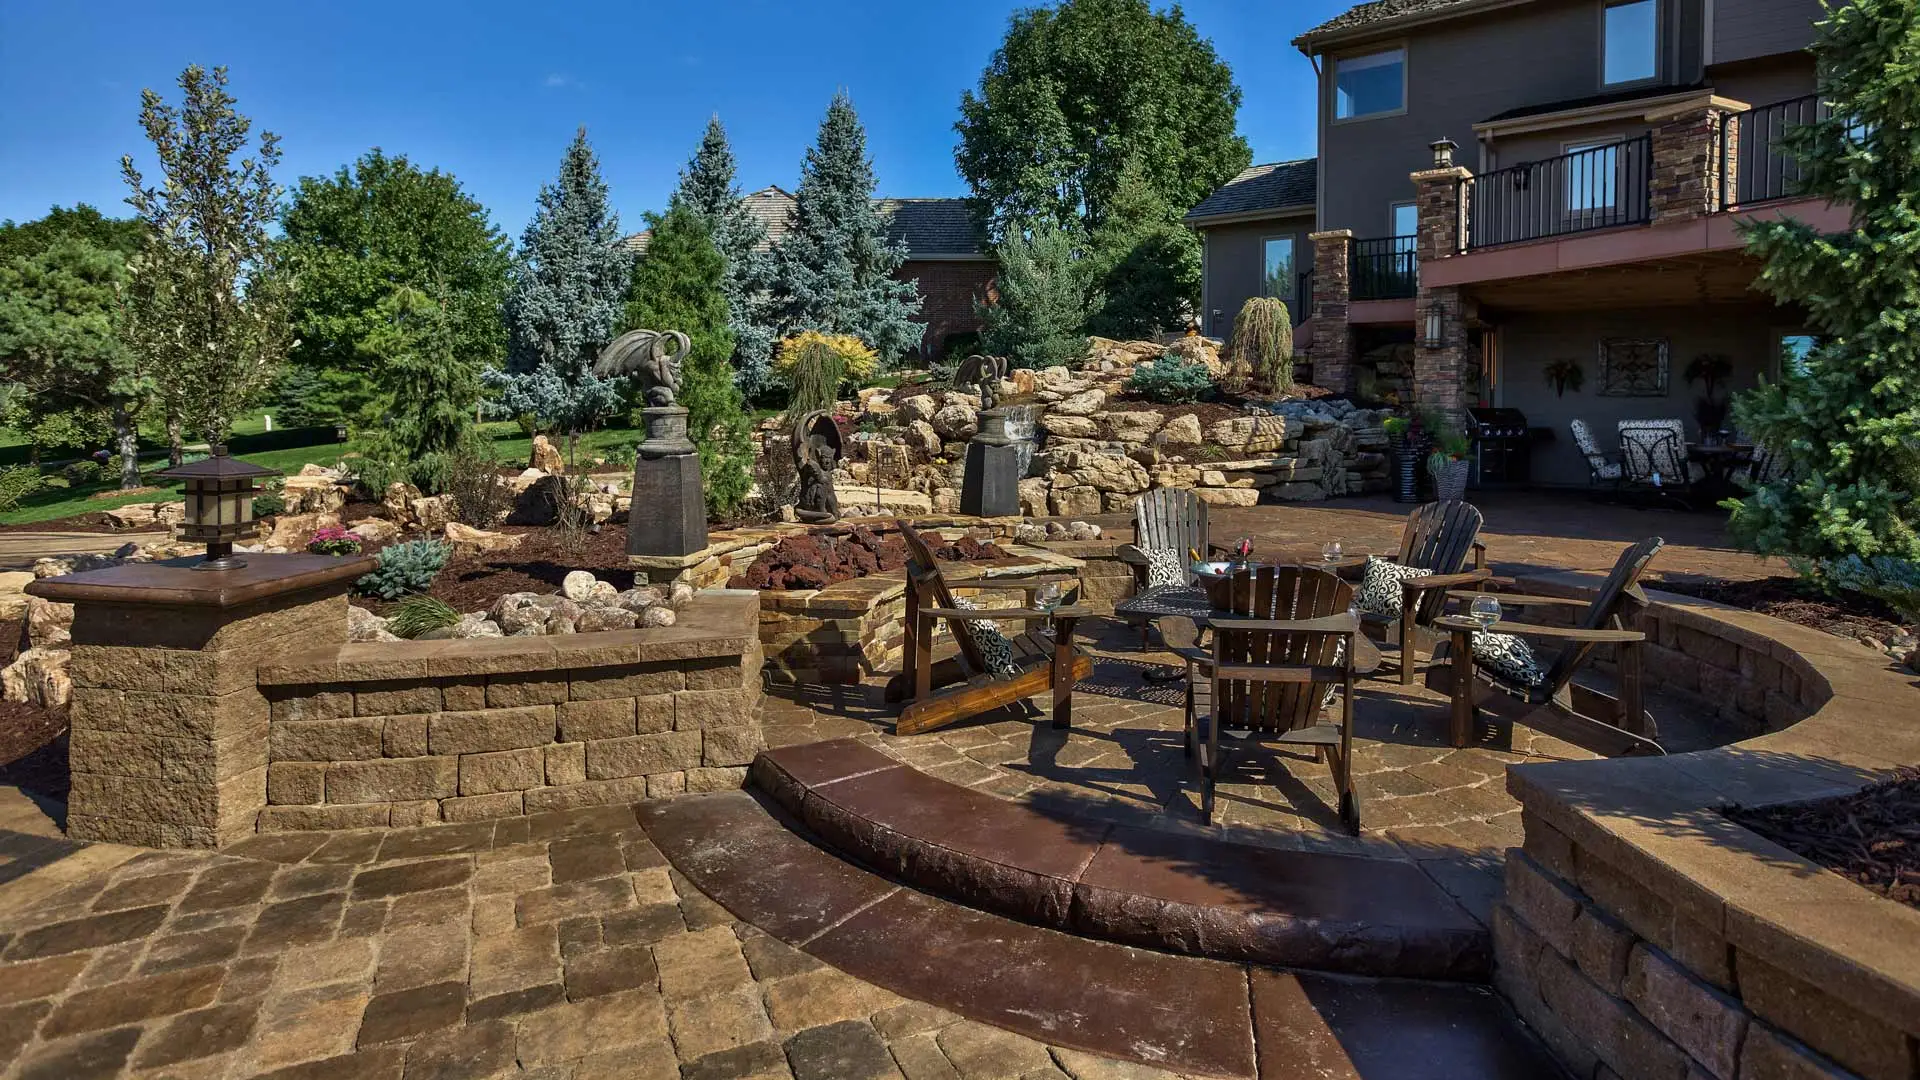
956,421
639,599
311,469
13,601
680,596
49,624
292,531
364,625
375,530
307,494
55,566
607,618
1065,426
433,512
1182,431
1228,496
603,594
1135,427
468,540
545,456
917,407
658,615
146,515
922,437
578,585
1085,403
38,677
399,500
523,614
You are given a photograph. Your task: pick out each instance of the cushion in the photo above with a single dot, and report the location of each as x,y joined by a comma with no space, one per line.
995,650
1165,566
1380,591
1509,657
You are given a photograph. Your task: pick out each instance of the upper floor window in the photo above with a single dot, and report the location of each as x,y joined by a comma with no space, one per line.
1632,36
1370,85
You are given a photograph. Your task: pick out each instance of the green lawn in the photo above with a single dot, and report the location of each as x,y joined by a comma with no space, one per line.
509,446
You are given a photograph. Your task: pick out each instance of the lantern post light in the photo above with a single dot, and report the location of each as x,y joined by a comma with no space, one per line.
220,493
1435,335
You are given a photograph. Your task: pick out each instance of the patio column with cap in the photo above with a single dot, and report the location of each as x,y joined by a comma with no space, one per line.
1331,348
1441,360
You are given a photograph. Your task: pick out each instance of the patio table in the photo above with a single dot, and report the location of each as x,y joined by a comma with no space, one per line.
1718,462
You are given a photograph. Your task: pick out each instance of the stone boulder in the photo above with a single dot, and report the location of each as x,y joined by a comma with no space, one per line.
1228,496
1252,434
55,566
640,598
922,437
375,530
1062,426
658,615
146,515
313,494
1183,431
38,677
1107,473
292,531
468,540
526,614
13,598
1199,350
1033,497
545,456
917,407
608,618
49,624
364,625
1133,427
1065,499
956,420
432,512
578,585
1085,403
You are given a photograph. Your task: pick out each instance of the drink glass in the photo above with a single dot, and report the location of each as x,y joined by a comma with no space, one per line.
1484,610
1046,598
1330,551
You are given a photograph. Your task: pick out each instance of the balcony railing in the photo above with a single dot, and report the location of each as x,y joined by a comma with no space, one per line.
1754,143
1385,269
1596,188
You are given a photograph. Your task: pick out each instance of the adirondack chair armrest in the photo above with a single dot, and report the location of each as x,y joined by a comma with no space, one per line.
1025,584
1520,599
1443,581
1343,623
1571,633
1131,553
1072,611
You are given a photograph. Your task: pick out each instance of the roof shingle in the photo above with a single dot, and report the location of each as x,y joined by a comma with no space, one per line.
1273,186
1378,11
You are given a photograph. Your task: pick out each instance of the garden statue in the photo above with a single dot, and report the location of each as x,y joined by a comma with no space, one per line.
816,452
644,353
982,373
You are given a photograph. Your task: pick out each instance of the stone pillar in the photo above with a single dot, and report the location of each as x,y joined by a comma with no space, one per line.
168,725
1438,373
1687,162
1332,347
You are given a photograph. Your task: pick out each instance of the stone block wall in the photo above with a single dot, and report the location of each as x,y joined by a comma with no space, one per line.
461,730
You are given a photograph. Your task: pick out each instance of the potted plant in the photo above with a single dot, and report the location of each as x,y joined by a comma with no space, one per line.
1711,370
1400,443
1448,464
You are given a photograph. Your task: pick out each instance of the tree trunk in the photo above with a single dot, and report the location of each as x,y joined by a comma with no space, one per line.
174,451
128,436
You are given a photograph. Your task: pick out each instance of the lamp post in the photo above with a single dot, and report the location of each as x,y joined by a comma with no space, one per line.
220,493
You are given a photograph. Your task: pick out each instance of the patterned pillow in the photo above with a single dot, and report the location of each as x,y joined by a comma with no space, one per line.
1508,656
994,647
1165,566
1380,591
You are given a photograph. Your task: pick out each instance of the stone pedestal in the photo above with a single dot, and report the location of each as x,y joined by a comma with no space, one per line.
669,514
1440,368
169,728
1331,347
990,486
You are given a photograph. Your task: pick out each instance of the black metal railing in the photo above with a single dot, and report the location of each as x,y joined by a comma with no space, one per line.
1753,143
1596,188
1384,269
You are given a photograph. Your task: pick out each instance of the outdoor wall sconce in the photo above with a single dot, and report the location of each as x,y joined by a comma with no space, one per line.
220,493
1434,337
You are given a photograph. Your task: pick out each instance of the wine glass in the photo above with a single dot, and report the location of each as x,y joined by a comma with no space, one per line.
1046,598
1484,610
1330,551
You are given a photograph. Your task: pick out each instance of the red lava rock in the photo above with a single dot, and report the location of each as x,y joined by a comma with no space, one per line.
816,560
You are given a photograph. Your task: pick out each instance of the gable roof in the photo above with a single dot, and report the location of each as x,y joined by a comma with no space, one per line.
930,228
1275,186
1377,14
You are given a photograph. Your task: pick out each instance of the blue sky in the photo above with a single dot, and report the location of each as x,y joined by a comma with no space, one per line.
492,91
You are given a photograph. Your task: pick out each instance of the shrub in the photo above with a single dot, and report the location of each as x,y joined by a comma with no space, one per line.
334,540
1039,314
16,483
418,614
82,472
404,569
473,485
859,362
1262,346
271,501
815,376
1893,581
1171,380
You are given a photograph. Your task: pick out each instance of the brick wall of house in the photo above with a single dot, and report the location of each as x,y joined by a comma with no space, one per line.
947,293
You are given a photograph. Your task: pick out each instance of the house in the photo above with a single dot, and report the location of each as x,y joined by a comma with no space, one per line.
1507,184
1253,235
946,259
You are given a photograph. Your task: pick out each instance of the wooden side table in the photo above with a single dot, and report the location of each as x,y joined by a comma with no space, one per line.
1460,650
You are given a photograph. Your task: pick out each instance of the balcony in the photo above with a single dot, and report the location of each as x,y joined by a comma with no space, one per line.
1753,144
1387,268
1597,188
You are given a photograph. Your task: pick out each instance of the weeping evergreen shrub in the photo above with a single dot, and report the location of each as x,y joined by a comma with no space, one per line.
1262,346
816,374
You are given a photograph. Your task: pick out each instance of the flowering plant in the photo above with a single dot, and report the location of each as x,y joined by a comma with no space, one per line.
334,540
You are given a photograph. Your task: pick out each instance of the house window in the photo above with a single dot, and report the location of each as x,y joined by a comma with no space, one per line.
1277,266
1791,355
1632,36
1405,219
1593,175
1370,85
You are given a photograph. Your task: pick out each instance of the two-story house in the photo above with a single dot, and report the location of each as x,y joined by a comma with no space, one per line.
1505,185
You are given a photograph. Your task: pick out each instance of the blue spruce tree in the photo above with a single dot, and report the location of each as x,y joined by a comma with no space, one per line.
569,288
834,270
708,189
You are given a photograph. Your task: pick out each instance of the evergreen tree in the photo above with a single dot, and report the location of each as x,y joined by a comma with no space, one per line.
430,389
569,285
124,235
680,285
1043,283
209,301
372,227
834,270
1847,425
1146,263
707,188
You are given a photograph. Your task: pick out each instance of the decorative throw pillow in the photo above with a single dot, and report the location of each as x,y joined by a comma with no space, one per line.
1380,591
1165,566
1508,656
995,650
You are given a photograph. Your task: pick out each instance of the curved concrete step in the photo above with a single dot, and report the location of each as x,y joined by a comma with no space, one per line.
1197,1017
1178,893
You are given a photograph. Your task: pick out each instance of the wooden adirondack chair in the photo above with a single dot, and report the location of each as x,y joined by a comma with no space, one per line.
1271,675
1613,726
1172,519
1439,537
1038,662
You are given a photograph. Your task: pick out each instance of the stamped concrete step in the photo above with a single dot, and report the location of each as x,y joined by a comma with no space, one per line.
1194,1016
1186,894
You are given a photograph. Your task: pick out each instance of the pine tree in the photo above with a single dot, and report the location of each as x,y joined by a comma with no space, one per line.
1146,263
834,270
680,285
431,386
707,187
1847,425
1042,308
569,286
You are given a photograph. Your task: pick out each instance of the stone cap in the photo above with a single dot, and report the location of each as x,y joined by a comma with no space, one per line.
1708,101
1451,172
174,582
1330,234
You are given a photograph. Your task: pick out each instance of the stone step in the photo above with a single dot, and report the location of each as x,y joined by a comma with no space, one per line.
1193,1016
1181,893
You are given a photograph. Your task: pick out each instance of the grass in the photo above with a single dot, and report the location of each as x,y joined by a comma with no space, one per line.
510,446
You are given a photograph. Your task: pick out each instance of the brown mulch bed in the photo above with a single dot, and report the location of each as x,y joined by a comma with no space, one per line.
1848,615
539,564
1871,837
91,522
33,740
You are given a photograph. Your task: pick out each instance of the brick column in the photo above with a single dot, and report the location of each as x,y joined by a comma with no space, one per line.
1332,347
1687,161
168,726
1438,372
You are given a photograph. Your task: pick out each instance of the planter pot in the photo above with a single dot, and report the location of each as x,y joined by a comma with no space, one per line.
1406,469
1450,482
